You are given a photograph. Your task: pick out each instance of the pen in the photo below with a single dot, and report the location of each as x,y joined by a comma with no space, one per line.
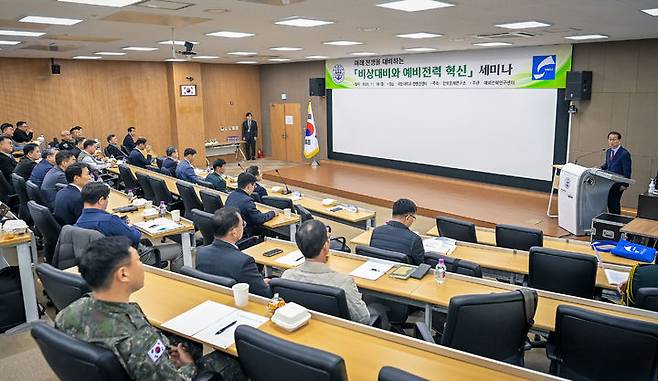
375,270
299,259
225,328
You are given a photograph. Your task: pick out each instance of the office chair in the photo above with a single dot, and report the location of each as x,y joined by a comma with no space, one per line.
203,221
388,255
63,288
264,357
455,265
388,373
21,190
303,213
47,225
189,197
248,242
129,180
205,183
162,194
518,238
145,185
211,201
7,193
155,169
587,345
278,202
456,229
159,160
647,299
316,297
562,271
34,194
216,279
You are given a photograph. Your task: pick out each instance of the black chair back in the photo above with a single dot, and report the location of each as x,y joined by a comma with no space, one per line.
21,190
278,202
562,271
160,191
455,265
518,238
145,185
456,229
210,201
205,183
153,168
62,287
128,178
593,346
248,242
190,199
316,297
216,279
72,359
303,213
388,373
34,194
264,357
647,298
493,325
6,189
49,227
388,255
203,221
159,160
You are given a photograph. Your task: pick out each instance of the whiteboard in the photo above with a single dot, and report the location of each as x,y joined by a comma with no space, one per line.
499,131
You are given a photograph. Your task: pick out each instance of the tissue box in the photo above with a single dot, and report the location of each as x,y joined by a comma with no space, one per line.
291,317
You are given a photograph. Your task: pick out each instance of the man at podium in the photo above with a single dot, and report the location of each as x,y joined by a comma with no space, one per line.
617,160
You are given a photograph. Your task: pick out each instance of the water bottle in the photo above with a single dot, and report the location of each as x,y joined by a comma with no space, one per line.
440,272
652,186
131,195
163,209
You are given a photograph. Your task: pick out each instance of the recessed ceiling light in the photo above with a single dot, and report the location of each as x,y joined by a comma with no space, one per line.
247,62
20,33
139,49
302,22
175,60
342,43
491,44
110,53
523,25
279,59
418,35
415,5
420,49
2,42
369,29
286,49
242,53
228,34
586,37
177,42
316,57
652,11
217,10
363,54
87,58
49,20
105,3
206,57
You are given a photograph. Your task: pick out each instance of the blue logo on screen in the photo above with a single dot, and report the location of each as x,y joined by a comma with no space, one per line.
543,67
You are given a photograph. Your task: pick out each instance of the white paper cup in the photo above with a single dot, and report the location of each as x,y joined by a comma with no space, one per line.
175,215
241,294
286,212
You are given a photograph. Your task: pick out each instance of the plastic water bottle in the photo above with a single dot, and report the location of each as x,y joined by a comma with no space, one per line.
131,195
163,209
652,186
440,272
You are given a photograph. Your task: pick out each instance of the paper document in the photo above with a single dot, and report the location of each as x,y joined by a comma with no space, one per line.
196,319
158,225
616,277
295,258
198,171
441,245
372,269
222,332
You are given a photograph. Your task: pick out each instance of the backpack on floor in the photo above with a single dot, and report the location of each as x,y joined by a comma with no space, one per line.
12,310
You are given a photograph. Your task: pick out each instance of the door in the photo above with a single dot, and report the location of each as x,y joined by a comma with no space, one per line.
286,138
278,135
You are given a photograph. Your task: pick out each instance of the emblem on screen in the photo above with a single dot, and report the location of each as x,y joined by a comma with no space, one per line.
543,67
338,73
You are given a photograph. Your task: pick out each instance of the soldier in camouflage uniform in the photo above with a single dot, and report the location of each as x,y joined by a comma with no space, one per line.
113,270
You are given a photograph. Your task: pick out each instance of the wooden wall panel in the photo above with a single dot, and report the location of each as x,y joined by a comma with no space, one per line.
187,114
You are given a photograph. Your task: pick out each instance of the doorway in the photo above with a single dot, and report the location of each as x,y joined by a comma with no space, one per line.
287,138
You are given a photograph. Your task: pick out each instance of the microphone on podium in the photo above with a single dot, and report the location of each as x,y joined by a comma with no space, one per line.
241,167
287,191
589,153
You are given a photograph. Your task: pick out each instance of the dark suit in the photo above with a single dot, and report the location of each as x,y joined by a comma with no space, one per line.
116,152
129,143
250,214
66,145
21,136
25,167
261,191
68,205
49,185
39,172
169,165
223,259
395,236
620,164
136,158
249,135
7,165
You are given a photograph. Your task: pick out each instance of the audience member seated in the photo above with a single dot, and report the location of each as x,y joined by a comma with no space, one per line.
241,199
7,161
23,133
313,241
112,269
31,153
114,150
170,162
141,154
7,130
89,148
216,177
67,142
223,257
68,201
95,196
45,165
395,235
129,139
185,169
259,190
77,149
76,133
56,175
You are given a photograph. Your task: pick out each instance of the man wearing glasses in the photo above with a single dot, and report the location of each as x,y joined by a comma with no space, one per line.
396,236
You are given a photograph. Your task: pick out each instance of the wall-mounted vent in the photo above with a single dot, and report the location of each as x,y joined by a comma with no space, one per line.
164,4
505,35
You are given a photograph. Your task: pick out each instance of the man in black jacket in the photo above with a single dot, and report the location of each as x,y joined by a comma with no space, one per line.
23,133
31,153
223,257
129,140
241,199
7,161
396,236
249,135
114,150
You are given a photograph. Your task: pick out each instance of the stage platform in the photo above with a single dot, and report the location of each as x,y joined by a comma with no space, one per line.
483,204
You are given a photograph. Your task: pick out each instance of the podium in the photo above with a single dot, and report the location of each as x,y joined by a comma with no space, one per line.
583,194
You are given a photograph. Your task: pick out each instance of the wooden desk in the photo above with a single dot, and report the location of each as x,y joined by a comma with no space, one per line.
26,253
166,295
642,227
118,199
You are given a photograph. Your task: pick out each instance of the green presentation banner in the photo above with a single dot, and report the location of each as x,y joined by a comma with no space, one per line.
533,67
